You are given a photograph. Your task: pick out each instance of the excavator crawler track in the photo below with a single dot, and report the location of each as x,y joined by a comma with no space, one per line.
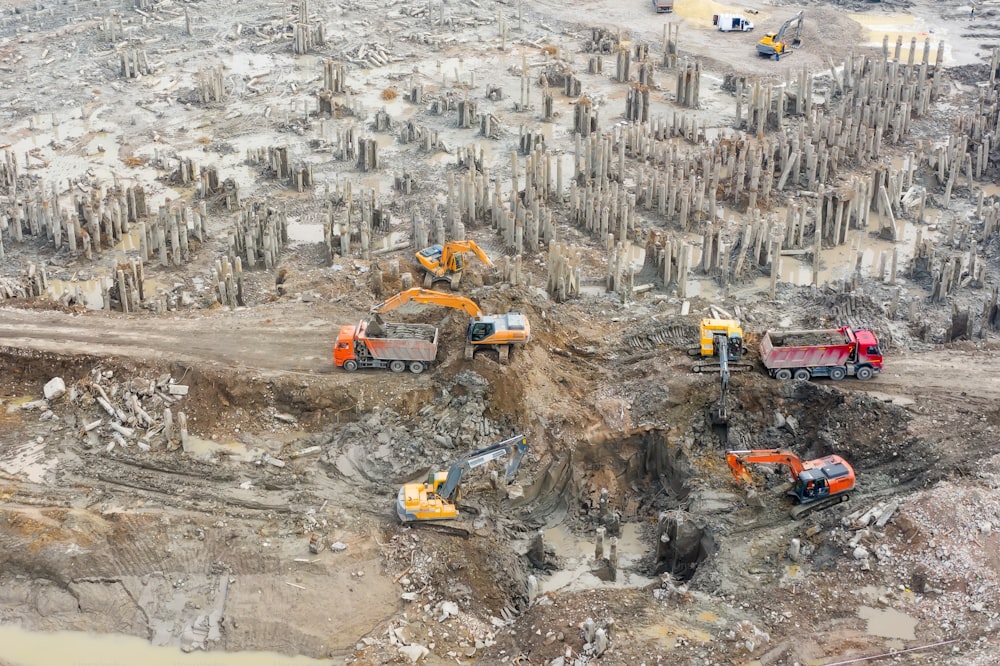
442,528
802,510
709,366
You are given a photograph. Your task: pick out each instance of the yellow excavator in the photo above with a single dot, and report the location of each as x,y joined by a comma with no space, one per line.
445,263
777,44
717,335
438,497
486,332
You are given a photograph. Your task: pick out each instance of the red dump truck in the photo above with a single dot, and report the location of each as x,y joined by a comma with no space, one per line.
398,347
834,353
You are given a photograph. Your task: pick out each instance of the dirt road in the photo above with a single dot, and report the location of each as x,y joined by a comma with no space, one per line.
251,340
273,340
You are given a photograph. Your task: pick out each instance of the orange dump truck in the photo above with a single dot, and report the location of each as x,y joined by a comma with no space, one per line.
398,347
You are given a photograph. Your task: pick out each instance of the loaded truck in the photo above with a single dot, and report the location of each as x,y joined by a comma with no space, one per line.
398,347
835,353
663,6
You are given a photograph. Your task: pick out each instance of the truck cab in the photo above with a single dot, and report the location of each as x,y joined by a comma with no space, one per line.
343,350
867,350
663,6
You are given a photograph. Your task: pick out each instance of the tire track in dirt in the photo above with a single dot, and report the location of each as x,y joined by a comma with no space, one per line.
250,341
961,378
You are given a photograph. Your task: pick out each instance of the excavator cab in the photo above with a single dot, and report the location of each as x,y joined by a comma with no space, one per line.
822,478
480,330
730,328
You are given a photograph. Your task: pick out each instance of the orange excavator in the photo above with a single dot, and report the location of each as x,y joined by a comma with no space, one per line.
486,332
446,262
815,484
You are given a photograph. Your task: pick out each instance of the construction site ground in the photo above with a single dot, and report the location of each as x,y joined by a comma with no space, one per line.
269,536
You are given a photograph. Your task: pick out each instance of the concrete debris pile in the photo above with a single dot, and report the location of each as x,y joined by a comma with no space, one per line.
939,545
370,55
129,411
433,611
387,445
32,283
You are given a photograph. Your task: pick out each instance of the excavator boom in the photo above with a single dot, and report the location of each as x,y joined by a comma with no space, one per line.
454,248
517,444
418,295
738,460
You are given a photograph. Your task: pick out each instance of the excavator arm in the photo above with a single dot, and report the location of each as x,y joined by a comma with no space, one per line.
796,21
719,413
518,445
418,295
461,247
737,461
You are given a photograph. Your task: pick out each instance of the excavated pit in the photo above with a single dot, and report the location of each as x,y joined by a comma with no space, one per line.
682,545
622,486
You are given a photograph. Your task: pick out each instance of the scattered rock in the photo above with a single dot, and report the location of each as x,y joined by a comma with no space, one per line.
795,550
338,546
414,652
448,609
55,388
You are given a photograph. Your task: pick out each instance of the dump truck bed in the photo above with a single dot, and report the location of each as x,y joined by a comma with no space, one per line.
804,349
407,342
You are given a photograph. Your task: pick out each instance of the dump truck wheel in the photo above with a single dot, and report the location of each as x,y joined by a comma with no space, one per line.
784,374
803,375
836,374
350,366
864,373
416,367
397,366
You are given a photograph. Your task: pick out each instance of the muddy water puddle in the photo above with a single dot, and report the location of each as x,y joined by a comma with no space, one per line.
576,555
19,647
888,623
